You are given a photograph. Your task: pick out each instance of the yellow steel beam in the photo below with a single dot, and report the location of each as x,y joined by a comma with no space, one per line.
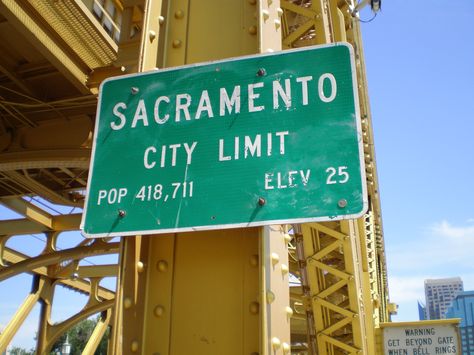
324,33
21,226
28,265
130,287
358,291
98,333
24,20
334,286
346,285
97,271
150,34
98,75
19,317
11,257
221,270
274,288
41,159
158,273
68,222
10,73
51,333
37,188
304,11
29,210
161,272
45,316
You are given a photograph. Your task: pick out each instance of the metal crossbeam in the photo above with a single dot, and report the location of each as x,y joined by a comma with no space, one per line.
341,293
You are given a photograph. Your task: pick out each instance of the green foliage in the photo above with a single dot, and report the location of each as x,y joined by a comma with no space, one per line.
16,350
78,337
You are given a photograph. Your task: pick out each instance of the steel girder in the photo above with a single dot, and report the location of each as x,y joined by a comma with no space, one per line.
341,293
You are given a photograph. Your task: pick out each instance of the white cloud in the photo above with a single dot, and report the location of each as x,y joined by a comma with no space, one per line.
442,250
406,289
444,228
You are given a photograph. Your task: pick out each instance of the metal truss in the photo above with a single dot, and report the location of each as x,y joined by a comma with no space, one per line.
339,292
54,56
52,268
336,294
340,265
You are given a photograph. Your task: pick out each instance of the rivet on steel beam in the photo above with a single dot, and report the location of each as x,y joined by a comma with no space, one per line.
276,343
159,311
279,12
275,258
254,307
134,346
75,276
254,260
261,201
176,43
161,20
127,302
342,203
277,24
289,312
253,30
270,297
162,265
122,213
151,35
179,14
140,266
286,348
134,90
284,269
265,15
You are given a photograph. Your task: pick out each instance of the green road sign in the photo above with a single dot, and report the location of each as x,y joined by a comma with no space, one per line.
266,139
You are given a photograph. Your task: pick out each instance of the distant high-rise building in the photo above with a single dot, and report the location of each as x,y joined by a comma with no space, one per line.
421,311
439,293
463,307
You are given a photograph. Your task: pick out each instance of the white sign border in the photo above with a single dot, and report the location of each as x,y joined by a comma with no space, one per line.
365,203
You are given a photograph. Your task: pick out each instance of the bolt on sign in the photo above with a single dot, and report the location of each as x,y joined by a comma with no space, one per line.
265,139
422,338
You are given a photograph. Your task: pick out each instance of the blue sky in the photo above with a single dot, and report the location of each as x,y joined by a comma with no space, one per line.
420,67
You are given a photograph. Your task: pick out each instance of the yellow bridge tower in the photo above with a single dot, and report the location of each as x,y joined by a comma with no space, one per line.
219,292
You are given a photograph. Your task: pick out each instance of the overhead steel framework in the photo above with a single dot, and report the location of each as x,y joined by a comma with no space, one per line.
218,292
